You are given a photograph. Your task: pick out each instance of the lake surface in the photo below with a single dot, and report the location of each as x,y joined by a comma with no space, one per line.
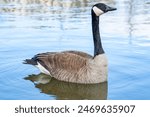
28,27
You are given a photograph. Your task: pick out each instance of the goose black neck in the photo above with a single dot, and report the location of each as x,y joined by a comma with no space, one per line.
98,49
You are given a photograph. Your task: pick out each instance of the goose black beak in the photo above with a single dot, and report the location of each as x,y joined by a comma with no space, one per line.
110,9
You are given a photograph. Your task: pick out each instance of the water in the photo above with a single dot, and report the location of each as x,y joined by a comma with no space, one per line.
30,27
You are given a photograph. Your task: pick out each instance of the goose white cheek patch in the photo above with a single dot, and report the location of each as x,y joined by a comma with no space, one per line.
97,11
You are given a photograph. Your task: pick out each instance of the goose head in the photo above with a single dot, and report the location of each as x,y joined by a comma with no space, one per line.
101,8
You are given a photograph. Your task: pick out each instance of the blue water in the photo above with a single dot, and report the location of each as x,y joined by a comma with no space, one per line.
28,28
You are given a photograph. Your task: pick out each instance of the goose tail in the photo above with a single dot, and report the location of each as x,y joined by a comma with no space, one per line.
30,61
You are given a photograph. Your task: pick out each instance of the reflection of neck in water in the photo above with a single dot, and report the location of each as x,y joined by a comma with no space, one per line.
65,90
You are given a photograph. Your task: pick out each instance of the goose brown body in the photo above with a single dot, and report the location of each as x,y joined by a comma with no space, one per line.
74,66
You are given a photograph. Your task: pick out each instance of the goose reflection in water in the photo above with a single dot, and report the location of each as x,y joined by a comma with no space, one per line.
71,91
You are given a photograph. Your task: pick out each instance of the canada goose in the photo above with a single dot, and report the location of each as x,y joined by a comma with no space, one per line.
76,66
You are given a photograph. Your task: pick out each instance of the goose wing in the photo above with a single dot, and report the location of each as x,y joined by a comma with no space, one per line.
63,63
79,53
82,54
